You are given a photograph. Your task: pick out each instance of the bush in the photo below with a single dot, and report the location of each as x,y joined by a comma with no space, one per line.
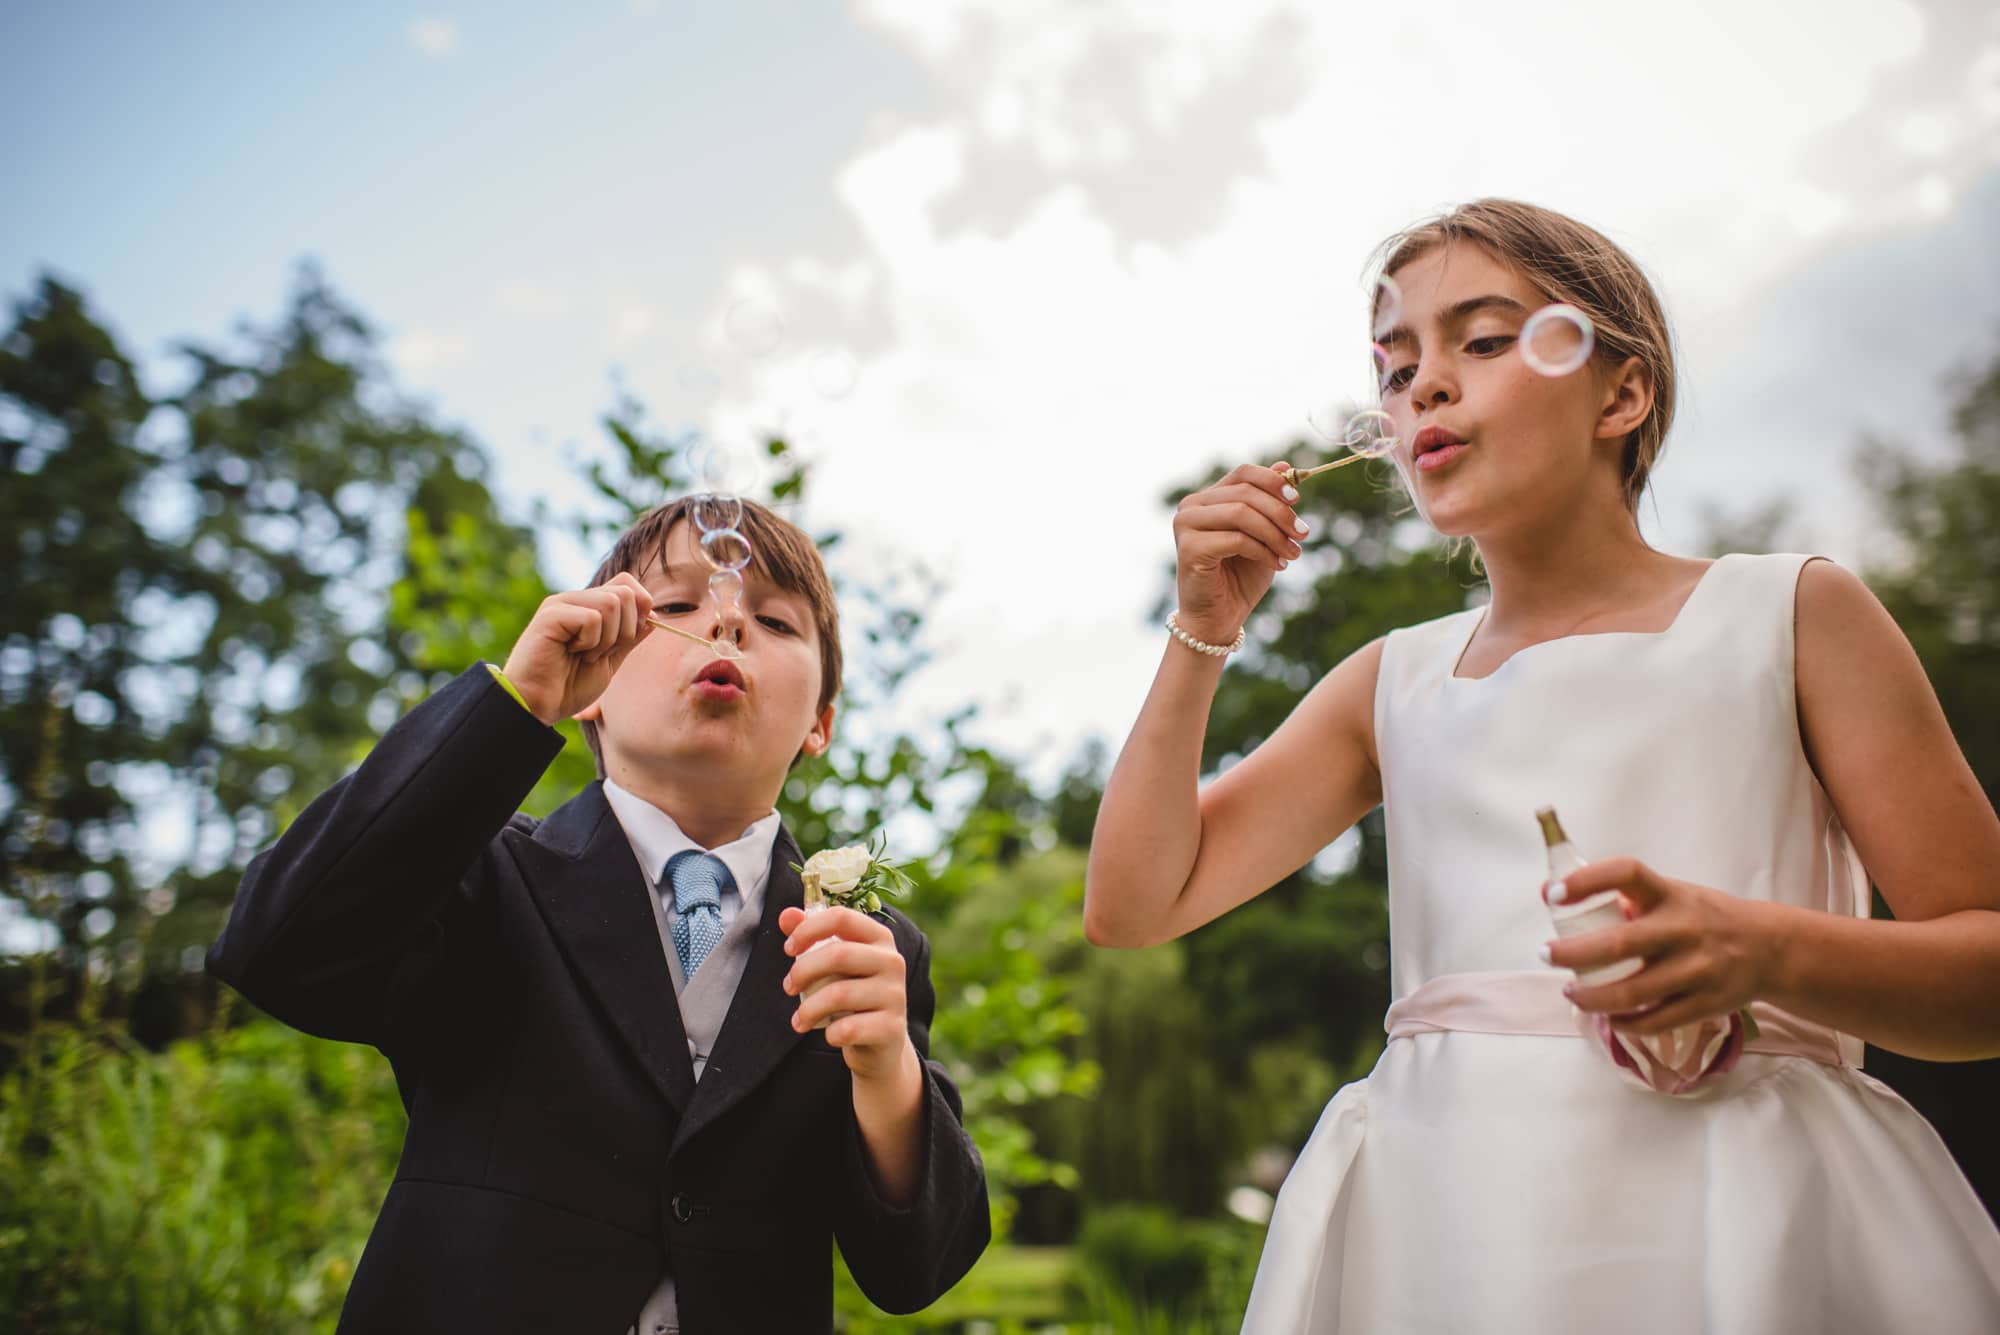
225,1184
1144,1268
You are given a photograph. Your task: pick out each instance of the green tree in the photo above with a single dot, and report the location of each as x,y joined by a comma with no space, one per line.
325,556
193,619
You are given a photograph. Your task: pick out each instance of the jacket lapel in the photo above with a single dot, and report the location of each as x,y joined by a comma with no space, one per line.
597,903
757,1032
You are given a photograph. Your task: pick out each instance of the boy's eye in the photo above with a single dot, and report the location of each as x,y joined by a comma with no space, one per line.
1488,346
778,624
1398,380
676,608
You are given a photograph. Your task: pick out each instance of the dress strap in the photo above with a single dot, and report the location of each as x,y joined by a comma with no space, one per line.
1531,1003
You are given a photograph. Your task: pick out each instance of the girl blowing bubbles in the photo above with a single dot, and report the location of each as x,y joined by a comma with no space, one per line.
1756,739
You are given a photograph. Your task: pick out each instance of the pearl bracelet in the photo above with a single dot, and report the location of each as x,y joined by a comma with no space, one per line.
1214,650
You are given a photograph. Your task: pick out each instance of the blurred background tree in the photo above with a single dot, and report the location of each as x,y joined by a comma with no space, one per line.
194,639
217,597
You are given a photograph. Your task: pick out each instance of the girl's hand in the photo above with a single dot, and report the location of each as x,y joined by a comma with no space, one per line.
1229,541
576,641
1707,953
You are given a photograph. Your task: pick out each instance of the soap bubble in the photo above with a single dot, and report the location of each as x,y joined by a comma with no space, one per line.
726,587
1371,433
1557,339
712,513
726,549
1386,306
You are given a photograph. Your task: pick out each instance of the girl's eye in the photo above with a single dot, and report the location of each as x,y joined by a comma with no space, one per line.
1398,380
674,609
778,624
1490,345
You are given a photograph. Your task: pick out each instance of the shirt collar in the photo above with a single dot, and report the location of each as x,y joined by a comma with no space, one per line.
655,837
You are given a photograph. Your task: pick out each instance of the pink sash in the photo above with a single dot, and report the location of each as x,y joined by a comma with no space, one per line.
1532,1003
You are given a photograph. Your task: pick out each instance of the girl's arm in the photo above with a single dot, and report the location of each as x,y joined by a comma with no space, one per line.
1167,855
1926,985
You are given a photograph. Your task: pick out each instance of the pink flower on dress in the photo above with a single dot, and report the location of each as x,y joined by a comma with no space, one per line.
1684,1061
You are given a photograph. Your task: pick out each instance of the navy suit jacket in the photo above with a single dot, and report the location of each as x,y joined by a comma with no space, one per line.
560,1156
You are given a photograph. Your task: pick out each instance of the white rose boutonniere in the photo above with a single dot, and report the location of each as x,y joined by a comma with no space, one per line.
856,877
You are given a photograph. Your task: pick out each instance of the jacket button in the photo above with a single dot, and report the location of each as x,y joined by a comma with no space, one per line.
683,1207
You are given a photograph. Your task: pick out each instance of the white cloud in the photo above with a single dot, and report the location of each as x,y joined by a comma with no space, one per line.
434,37
1130,241
633,322
535,298
420,353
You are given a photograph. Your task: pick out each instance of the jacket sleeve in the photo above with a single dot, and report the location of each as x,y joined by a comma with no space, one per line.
906,1258
337,919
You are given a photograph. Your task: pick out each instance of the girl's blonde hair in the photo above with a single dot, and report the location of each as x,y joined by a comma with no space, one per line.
1567,261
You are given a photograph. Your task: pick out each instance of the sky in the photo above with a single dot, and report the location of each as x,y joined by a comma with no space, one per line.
1008,270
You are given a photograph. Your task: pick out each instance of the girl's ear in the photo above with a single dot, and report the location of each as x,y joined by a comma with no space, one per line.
1628,399
590,713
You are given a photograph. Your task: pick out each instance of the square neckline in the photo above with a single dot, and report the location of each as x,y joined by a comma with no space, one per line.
1681,612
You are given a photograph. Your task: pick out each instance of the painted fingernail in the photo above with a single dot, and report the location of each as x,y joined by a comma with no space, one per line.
1299,525
1558,892
1569,990
1290,493
1542,953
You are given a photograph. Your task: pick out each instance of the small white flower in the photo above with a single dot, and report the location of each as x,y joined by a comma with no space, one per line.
839,869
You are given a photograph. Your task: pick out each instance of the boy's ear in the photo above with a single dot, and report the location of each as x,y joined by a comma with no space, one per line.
821,735
1629,397
590,713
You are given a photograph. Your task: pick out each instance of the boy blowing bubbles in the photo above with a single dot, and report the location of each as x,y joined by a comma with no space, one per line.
709,741
620,1102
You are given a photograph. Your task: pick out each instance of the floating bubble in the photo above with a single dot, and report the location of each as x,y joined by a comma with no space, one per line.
1385,306
723,471
1371,433
726,549
712,513
1379,356
726,587
833,375
1557,339
755,327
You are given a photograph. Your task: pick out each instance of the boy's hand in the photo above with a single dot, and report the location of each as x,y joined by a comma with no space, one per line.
567,655
864,986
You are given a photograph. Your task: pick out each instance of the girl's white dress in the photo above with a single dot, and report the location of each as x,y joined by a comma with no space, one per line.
1493,1173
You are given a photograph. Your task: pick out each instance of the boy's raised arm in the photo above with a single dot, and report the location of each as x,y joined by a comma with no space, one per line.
333,919
370,873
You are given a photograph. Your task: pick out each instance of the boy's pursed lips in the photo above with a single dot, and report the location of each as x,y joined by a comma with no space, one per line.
720,679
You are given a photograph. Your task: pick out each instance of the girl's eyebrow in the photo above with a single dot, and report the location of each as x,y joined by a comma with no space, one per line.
1456,313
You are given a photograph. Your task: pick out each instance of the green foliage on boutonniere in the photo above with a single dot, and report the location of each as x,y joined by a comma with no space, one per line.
854,877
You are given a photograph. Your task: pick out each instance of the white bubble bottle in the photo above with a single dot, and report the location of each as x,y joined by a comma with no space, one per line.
1602,910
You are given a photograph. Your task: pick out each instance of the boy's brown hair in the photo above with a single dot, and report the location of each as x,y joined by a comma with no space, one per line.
1567,261
779,548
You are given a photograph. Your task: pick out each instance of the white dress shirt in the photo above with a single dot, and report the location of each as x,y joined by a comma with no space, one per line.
655,838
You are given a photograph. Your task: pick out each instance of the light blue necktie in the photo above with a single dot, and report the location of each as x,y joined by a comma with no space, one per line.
698,880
